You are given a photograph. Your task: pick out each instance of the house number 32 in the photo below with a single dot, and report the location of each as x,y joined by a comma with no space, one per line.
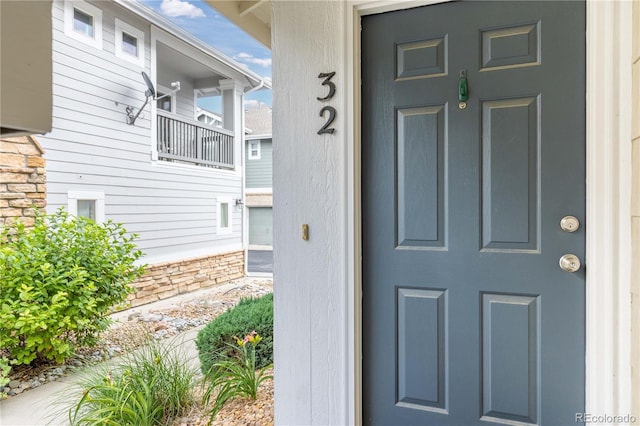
331,110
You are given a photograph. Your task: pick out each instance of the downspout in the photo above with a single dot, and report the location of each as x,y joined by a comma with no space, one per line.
258,87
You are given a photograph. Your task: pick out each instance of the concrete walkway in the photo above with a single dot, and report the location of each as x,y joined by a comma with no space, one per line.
38,407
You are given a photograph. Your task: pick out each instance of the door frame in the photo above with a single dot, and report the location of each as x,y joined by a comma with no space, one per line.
608,203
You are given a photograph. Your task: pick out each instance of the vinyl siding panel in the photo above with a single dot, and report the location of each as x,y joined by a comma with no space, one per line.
259,173
92,148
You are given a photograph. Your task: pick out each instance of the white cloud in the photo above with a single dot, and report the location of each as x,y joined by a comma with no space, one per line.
246,57
251,103
176,8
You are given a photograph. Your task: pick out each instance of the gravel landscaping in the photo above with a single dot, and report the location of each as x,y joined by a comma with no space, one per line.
162,320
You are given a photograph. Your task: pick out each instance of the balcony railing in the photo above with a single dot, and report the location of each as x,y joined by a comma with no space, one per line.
192,142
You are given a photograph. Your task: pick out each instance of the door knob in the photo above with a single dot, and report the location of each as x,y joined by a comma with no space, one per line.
569,263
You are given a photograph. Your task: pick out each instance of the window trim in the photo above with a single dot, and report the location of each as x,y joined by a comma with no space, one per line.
258,155
97,196
123,27
229,228
91,10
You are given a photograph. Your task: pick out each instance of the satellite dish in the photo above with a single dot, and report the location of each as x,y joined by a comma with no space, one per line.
151,92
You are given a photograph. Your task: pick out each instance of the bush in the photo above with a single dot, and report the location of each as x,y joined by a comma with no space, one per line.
150,386
249,315
59,281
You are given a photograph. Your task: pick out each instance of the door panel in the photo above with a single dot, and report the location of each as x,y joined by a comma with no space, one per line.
467,316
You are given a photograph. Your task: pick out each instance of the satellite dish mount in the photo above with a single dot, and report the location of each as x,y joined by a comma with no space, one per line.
150,93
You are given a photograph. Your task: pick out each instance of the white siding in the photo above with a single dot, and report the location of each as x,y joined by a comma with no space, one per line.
310,180
92,148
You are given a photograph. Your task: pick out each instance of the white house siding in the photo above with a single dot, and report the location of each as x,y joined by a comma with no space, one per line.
259,172
92,148
310,181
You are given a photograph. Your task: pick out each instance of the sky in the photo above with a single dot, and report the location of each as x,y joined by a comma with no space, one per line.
201,20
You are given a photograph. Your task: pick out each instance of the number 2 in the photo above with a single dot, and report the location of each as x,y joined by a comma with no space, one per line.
332,116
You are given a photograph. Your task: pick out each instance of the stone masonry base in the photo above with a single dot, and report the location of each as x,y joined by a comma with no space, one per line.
164,280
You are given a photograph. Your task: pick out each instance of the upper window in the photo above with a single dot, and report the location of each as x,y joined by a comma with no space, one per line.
87,204
129,43
254,149
83,21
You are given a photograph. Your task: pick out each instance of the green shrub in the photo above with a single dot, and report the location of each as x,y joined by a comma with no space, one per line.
249,315
149,387
5,369
59,281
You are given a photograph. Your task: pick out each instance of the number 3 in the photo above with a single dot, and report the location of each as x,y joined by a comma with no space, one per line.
327,82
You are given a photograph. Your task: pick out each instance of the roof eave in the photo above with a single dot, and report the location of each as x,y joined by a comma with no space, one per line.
152,17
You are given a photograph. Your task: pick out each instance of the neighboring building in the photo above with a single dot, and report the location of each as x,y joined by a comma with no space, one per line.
208,117
174,180
425,293
259,177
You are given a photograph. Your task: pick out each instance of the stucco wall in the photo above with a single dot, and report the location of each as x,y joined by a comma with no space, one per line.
635,217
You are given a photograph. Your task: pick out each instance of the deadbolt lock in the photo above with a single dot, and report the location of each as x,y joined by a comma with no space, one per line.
570,263
570,224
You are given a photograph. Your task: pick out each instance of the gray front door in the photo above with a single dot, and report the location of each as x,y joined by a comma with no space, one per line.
467,316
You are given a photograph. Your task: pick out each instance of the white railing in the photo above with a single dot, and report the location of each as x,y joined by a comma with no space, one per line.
189,141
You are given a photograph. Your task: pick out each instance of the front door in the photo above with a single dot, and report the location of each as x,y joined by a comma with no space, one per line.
468,317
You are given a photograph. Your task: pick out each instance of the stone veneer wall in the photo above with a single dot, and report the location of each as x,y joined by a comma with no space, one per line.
22,179
168,279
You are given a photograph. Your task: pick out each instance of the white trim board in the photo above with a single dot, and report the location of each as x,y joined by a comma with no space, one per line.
608,254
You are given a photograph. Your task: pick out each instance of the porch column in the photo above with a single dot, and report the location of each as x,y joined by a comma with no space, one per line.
232,104
232,94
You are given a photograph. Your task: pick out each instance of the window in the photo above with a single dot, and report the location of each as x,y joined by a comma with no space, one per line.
165,102
87,204
224,216
129,43
87,208
83,22
254,149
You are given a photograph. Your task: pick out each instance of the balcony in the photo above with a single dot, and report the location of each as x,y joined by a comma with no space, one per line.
191,142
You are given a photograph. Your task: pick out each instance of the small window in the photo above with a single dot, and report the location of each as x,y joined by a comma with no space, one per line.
129,43
87,204
165,102
224,216
83,22
87,208
254,149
